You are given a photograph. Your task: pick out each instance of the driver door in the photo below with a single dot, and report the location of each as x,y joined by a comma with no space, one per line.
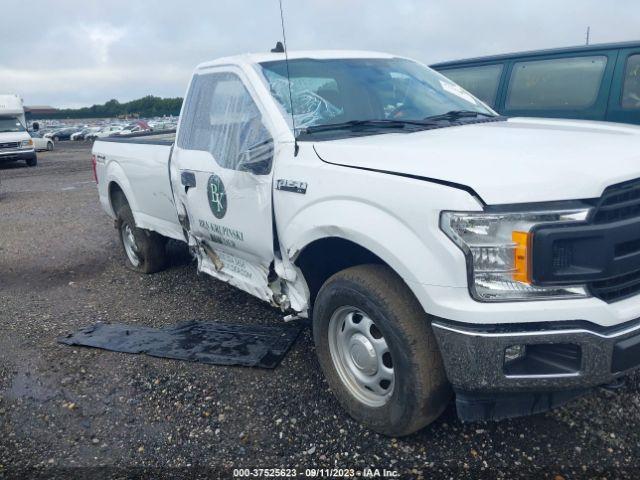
221,173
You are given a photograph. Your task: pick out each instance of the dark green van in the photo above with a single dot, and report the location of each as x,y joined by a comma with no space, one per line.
594,82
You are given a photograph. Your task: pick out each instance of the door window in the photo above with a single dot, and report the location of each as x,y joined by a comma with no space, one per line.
560,83
221,118
631,88
482,81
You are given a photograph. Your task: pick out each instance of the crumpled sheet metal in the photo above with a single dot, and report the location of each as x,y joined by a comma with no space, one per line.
211,343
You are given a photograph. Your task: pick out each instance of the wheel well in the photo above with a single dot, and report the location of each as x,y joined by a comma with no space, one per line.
322,258
116,197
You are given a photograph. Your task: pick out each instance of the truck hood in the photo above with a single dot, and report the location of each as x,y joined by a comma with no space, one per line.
514,161
6,137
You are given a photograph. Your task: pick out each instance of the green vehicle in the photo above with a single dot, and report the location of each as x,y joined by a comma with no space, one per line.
594,82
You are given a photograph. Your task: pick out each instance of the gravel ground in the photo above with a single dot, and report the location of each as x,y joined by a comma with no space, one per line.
74,412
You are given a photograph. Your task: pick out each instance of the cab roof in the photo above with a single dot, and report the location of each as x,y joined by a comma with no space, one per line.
255,58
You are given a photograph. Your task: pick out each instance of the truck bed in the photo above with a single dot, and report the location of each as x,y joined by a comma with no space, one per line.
164,137
139,164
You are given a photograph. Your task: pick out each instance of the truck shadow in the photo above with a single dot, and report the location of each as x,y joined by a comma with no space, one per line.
178,254
13,165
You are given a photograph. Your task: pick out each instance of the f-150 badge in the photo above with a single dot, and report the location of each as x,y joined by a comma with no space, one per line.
291,186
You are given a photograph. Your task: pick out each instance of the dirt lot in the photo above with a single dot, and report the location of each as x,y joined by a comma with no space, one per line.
71,412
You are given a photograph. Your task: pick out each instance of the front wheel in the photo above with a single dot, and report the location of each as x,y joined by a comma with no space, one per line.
144,250
378,352
32,162
49,146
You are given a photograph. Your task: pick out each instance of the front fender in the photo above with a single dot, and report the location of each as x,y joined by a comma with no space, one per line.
379,232
394,217
421,256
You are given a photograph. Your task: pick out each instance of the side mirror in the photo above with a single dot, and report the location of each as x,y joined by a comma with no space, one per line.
36,126
258,158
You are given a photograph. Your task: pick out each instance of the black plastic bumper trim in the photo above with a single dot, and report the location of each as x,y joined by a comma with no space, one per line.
12,157
474,407
626,354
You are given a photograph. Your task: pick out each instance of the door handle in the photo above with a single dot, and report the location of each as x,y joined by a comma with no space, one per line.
188,179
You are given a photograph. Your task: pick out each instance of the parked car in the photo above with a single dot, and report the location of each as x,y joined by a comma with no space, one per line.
62,134
437,246
595,82
105,132
79,135
41,142
137,127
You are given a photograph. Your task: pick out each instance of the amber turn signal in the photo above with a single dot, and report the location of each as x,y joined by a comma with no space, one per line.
521,257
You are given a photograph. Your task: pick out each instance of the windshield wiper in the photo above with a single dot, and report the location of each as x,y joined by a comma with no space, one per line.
454,115
365,124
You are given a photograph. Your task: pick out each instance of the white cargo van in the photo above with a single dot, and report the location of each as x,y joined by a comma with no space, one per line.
15,141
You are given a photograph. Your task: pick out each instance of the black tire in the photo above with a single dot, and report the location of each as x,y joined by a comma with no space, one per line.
32,162
49,146
151,251
421,391
56,139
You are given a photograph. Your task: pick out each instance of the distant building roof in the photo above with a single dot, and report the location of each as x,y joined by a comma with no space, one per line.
34,110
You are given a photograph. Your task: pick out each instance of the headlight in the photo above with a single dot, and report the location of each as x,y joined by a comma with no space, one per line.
26,143
498,251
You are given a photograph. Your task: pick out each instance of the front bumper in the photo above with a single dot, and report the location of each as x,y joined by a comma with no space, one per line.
561,360
16,155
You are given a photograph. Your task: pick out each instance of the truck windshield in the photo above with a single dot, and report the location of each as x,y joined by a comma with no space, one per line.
380,93
10,125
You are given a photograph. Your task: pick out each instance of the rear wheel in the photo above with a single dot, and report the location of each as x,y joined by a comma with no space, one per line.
144,250
378,352
56,139
49,146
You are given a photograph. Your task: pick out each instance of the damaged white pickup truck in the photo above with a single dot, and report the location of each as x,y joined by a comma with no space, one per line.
438,248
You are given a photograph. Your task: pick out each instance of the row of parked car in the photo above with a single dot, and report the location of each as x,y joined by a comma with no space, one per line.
49,135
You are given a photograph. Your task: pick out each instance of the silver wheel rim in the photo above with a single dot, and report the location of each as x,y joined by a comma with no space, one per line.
361,356
130,246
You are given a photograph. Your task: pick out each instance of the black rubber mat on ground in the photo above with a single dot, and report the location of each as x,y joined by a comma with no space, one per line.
213,343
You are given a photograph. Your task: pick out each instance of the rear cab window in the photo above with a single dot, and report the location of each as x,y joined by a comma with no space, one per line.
482,80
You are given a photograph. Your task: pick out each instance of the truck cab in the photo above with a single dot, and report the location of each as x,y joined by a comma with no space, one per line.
437,247
15,141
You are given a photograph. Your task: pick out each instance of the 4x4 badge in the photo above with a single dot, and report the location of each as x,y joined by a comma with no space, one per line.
217,196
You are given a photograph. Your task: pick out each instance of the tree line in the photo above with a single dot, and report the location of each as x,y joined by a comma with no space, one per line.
148,106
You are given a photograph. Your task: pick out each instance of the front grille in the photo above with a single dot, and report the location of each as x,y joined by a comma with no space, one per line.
619,202
617,288
7,145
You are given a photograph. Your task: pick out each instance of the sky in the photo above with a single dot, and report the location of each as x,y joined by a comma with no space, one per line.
71,53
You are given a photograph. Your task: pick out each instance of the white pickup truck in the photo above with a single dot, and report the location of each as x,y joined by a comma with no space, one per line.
438,247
